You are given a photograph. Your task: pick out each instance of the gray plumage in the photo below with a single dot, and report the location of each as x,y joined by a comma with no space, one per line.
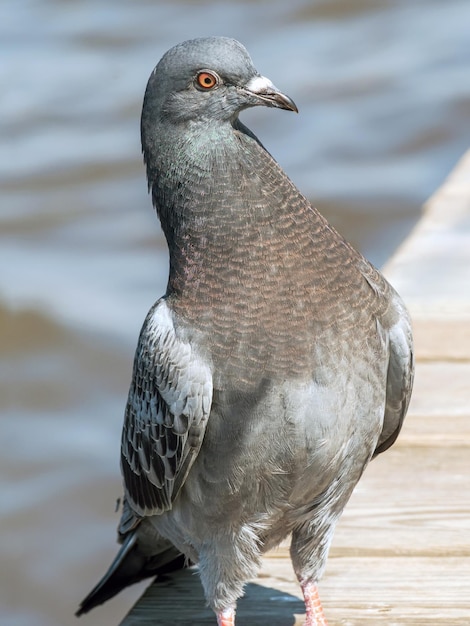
278,363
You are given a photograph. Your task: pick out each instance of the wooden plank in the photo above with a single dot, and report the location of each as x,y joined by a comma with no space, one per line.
411,502
440,340
355,592
395,591
180,600
439,413
441,389
388,591
431,269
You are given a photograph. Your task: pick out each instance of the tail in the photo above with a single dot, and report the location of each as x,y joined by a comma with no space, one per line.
130,566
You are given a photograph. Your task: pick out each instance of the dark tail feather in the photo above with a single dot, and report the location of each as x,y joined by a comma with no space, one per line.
130,566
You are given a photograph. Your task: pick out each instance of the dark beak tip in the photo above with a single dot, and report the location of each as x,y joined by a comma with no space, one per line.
288,104
294,107
282,101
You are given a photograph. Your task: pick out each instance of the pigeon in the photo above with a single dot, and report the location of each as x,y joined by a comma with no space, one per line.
276,366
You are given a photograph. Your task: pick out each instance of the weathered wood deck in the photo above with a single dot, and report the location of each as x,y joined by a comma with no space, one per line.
401,553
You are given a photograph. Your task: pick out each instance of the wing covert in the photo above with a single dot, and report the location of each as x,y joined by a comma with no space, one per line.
400,376
167,410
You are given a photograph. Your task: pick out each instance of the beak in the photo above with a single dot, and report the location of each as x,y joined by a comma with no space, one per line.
264,90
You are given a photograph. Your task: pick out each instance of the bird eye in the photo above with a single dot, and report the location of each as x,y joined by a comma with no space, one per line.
207,80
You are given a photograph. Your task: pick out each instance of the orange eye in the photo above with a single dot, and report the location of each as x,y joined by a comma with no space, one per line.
206,80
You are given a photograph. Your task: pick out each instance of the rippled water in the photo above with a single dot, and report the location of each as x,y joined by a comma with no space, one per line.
384,92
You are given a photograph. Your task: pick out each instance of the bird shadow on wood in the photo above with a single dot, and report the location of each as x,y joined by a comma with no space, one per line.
178,599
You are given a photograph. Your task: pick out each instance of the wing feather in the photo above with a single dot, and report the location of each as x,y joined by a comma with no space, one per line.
400,376
166,415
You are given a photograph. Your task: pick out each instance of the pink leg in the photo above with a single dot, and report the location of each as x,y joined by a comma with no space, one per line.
226,618
315,615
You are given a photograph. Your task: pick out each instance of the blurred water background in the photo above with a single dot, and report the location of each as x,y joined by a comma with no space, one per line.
383,89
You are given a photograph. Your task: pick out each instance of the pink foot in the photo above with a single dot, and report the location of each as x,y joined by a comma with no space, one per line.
226,618
314,609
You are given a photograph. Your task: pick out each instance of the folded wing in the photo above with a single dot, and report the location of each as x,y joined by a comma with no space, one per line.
399,379
166,415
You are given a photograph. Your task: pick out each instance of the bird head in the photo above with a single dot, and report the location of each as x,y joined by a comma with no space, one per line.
210,78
